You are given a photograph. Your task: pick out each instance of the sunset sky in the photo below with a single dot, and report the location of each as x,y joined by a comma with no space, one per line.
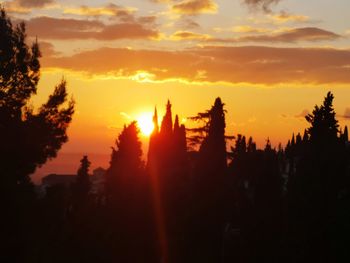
270,61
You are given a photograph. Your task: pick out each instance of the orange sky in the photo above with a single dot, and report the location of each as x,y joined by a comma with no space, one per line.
269,61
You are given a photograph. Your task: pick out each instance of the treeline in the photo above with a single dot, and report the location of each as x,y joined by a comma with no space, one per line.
206,205
192,201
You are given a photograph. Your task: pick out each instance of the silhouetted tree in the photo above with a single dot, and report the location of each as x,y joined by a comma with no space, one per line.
126,163
209,185
129,207
345,135
213,147
82,185
167,166
28,138
255,203
167,122
320,175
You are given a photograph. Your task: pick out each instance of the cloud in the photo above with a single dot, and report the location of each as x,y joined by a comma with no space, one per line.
25,6
254,65
303,114
294,35
115,12
194,7
187,35
69,29
147,19
284,17
249,29
47,49
311,34
34,3
111,9
264,5
187,23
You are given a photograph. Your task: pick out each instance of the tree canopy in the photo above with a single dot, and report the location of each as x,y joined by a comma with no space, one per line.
28,137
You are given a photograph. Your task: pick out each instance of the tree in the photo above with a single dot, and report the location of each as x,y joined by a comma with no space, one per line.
212,151
28,137
324,125
126,163
82,184
130,211
321,166
167,122
209,184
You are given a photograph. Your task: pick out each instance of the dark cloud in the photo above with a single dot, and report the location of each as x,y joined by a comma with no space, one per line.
264,5
255,65
66,29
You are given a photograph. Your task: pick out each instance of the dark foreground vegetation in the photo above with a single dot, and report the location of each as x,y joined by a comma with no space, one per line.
206,204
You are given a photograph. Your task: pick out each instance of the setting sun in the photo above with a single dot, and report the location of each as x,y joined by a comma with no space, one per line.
145,123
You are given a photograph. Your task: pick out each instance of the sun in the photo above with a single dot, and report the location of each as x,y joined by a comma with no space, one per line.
145,123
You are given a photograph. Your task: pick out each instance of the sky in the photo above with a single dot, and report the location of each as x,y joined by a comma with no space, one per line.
270,61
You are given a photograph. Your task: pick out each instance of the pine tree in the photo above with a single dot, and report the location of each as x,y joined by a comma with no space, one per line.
320,176
268,147
324,126
126,164
212,152
345,135
209,184
28,138
305,136
82,184
128,201
251,147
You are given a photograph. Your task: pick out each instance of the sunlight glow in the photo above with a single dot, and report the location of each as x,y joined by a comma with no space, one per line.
145,123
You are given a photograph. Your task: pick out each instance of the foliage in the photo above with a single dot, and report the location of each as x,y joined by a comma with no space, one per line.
28,138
